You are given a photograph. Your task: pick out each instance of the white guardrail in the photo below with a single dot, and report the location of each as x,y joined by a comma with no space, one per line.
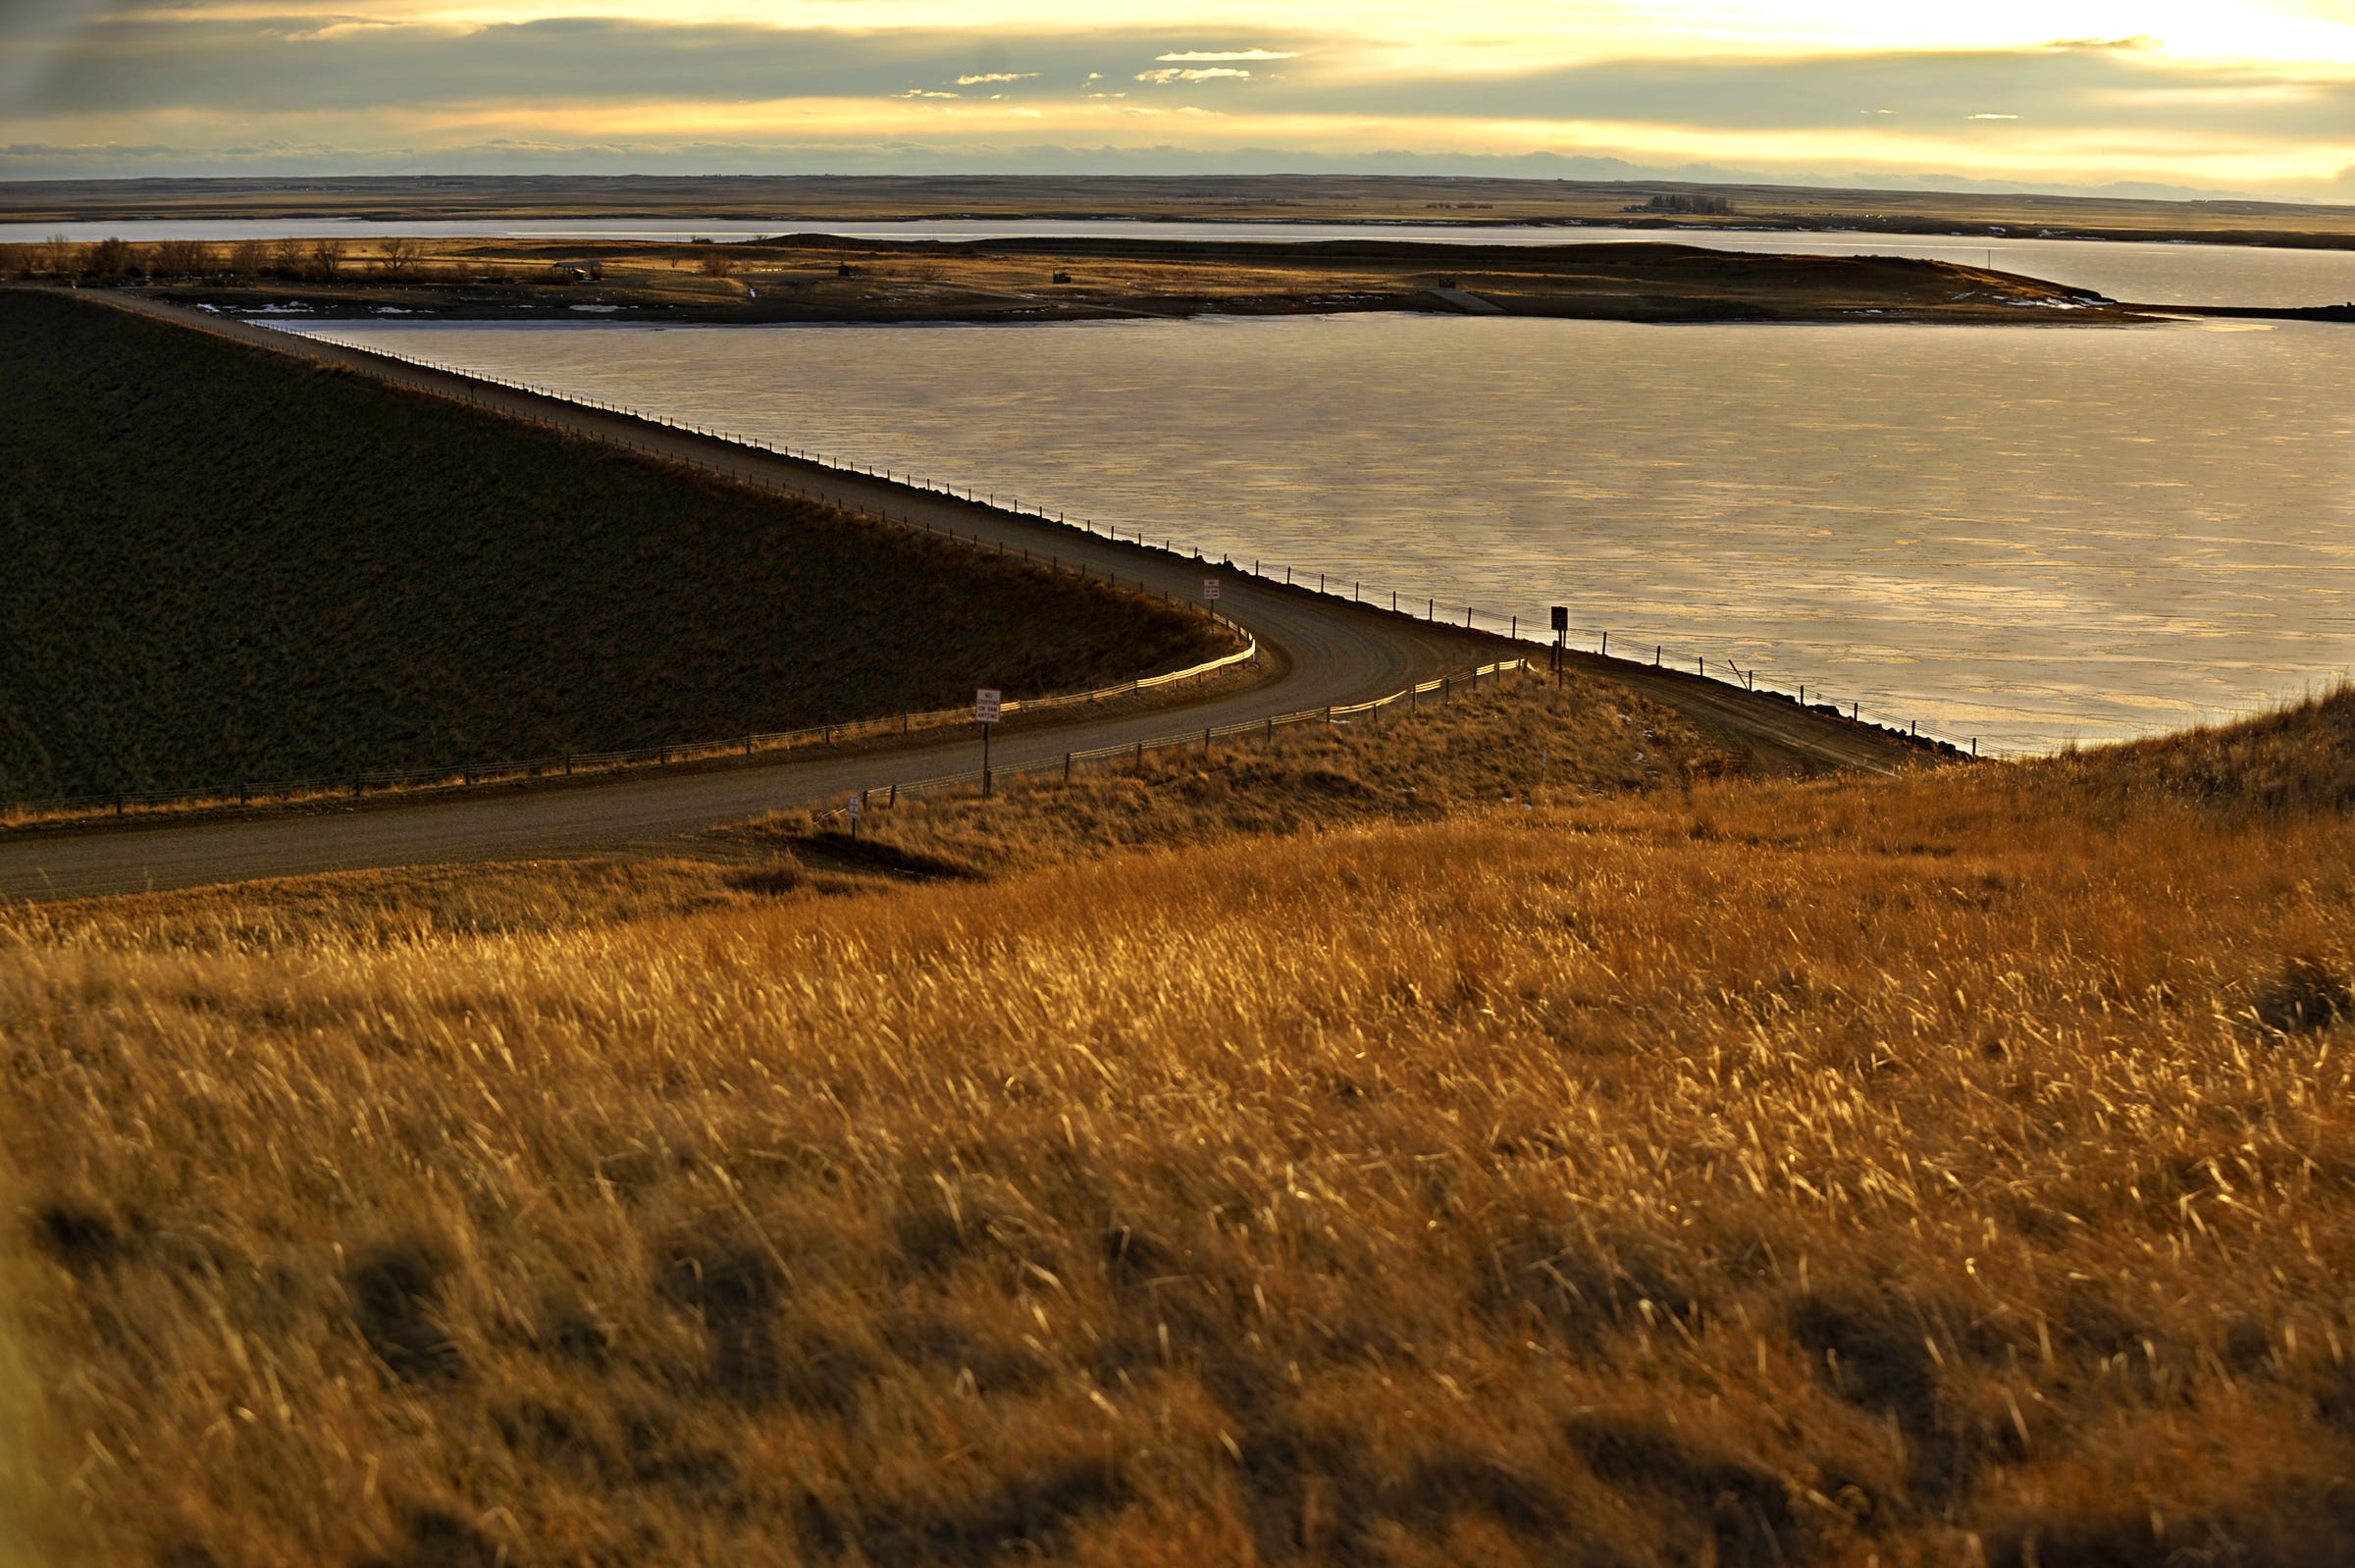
1442,690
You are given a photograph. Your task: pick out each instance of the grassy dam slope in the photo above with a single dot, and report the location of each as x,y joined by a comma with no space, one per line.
1506,1137
225,565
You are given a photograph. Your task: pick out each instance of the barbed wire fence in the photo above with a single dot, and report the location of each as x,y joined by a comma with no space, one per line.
1513,627
358,783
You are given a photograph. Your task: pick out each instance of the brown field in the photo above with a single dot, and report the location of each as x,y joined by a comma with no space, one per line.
1323,198
1674,1169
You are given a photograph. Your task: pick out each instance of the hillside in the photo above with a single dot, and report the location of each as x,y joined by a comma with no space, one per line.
225,565
1496,1140
820,279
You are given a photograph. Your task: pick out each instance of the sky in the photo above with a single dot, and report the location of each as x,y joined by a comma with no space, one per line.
2224,96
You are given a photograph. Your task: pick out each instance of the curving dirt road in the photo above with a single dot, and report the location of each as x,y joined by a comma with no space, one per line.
1328,651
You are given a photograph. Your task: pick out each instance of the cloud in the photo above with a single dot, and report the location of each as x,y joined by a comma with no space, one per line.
2112,96
1991,117
246,66
1205,55
1170,73
2141,40
336,28
209,75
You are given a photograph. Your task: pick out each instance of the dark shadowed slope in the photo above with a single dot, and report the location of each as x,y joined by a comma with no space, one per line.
226,564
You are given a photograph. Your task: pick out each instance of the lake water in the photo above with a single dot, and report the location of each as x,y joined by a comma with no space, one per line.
2028,535
2146,273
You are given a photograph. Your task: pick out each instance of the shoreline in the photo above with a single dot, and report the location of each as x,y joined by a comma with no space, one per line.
815,278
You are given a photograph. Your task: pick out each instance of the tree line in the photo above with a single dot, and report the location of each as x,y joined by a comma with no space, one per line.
305,260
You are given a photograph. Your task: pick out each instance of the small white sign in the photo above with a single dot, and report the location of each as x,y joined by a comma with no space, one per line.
1210,588
858,805
985,705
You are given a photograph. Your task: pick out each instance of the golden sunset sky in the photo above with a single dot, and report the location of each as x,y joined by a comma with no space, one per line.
2232,95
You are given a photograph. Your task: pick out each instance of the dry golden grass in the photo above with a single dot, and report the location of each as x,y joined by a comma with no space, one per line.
1944,1169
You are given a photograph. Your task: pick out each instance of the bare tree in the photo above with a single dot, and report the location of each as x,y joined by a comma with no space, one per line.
247,258
717,263
286,258
108,258
327,259
182,258
399,258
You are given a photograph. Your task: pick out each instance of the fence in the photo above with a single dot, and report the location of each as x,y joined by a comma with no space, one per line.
1396,600
986,779
123,802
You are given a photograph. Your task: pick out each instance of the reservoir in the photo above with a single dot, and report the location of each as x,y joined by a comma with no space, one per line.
2026,535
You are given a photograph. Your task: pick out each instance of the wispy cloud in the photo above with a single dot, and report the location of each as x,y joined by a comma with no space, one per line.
1991,117
1168,74
996,75
924,93
1206,56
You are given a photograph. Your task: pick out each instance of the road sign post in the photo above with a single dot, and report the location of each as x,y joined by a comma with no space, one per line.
985,714
1210,591
858,803
1561,635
